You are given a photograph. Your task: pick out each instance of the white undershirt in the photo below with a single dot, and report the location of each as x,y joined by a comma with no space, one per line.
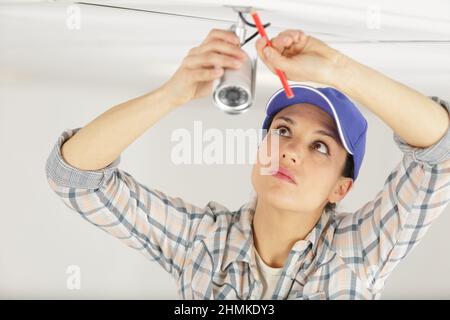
269,276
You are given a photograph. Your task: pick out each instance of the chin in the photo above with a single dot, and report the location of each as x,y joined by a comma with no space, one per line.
280,198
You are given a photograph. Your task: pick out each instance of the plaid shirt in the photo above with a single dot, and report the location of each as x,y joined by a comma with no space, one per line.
210,251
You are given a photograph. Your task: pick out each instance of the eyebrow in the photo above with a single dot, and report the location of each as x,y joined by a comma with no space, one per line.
321,131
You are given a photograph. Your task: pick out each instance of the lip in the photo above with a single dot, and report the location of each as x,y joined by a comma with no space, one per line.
284,174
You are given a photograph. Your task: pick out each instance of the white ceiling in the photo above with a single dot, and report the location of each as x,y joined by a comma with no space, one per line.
348,19
124,47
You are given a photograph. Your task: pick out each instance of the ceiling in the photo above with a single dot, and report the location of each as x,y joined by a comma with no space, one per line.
362,20
127,42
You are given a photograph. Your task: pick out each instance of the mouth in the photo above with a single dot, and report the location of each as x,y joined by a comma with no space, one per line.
285,175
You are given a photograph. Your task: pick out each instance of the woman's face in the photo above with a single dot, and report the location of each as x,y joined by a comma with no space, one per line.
315,160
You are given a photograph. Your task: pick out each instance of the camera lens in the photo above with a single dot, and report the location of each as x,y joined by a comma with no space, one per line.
233,96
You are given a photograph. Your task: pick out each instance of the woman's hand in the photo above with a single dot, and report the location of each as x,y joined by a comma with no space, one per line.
203,64
300,57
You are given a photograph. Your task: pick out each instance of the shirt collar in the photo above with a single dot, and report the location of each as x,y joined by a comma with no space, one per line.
241,237
239,246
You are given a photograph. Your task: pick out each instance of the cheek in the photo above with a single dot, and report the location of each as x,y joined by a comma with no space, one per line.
319,164
259,177
254,176
259,180
322,179
317,175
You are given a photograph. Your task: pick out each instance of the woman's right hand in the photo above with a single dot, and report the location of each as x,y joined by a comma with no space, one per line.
301,57
203,64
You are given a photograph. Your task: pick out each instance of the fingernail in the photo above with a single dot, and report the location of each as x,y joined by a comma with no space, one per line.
267,52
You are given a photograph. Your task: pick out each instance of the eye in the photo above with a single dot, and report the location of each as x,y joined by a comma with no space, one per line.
281,130
320,143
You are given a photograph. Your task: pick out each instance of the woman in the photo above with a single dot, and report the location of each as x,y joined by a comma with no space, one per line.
288,241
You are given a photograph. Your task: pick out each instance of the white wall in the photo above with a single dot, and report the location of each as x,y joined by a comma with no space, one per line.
52,78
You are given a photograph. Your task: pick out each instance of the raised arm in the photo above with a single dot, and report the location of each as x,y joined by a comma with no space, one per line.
82,168
375,238
418,120
102,140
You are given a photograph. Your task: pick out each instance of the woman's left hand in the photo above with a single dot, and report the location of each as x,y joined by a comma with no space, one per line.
301,57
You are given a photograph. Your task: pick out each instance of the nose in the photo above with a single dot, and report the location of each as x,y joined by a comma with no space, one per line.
290,156
293,151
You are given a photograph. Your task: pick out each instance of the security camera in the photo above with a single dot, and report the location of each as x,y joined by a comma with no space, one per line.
234,92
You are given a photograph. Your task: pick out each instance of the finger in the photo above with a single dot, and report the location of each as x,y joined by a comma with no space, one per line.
225,35
295,35
275,60
260,45
282,42
223,47
205,74
211,59
286,38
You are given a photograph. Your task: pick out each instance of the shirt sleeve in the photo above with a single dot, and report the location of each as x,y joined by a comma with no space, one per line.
157,225
385,230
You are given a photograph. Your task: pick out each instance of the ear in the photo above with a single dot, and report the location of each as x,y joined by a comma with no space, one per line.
343,186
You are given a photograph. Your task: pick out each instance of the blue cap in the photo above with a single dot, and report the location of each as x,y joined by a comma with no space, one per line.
351,124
